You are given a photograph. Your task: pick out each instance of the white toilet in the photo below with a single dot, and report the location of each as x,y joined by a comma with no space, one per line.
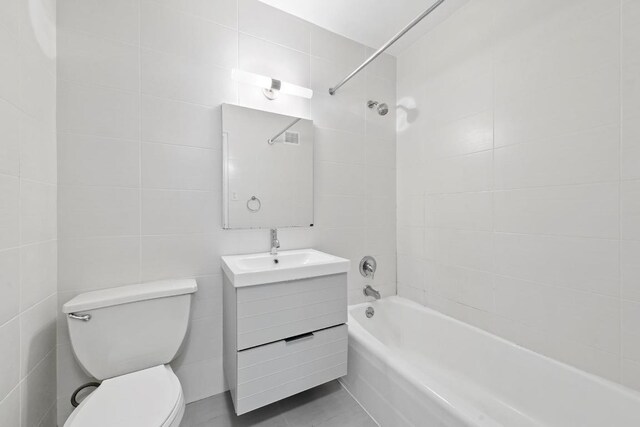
126,337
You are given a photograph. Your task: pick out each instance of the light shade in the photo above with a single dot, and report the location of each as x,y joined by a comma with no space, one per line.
271,85
291,89
251,78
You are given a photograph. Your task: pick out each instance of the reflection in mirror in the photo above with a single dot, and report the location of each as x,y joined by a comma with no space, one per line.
267,169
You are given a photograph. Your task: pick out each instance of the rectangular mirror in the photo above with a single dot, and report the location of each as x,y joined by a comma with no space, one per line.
267,169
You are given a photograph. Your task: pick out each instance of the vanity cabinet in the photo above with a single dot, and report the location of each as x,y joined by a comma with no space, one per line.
284,337
276,311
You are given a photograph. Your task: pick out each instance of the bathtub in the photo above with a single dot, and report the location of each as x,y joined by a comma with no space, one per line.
409,365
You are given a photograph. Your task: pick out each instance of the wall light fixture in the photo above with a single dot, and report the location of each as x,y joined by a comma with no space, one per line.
270,87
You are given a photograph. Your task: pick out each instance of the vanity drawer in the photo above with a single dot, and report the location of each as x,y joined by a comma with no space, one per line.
271,312
274,371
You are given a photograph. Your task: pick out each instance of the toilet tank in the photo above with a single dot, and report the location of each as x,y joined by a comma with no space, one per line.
129,328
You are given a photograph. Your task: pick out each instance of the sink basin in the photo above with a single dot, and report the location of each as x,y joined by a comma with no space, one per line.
257,269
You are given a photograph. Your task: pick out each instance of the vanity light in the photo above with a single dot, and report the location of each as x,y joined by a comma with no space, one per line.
270,87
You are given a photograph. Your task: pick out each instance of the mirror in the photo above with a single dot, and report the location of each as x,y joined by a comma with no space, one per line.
267,169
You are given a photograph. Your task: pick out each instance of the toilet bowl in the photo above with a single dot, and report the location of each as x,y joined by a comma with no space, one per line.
151,397
126,337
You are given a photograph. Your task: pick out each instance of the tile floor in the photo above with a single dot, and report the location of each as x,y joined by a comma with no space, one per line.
328,405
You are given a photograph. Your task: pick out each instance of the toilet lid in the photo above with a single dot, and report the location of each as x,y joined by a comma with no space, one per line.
148,398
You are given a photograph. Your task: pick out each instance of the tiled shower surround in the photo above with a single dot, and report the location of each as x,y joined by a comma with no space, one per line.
140,85
518,176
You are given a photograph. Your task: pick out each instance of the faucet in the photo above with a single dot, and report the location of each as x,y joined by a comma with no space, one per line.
275,243
368,267
370,292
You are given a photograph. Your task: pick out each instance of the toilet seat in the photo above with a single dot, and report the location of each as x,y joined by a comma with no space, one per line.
148,398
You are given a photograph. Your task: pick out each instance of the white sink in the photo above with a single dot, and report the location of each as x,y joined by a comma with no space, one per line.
257,269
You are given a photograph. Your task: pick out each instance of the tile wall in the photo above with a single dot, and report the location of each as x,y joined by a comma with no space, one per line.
518,167
140,83
28,290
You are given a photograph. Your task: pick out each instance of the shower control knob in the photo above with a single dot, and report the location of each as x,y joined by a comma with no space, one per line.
380,107
368,266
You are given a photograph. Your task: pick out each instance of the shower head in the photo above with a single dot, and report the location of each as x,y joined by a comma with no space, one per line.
382,109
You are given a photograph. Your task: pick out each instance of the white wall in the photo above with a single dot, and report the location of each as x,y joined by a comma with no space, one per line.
27,213
518,176
139,89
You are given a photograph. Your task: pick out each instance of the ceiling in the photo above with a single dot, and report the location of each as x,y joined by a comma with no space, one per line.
371,22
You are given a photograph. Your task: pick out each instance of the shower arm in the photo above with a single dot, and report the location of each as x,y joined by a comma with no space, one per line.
384,47
276,136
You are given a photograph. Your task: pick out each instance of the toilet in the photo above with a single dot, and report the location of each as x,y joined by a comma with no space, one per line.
125,337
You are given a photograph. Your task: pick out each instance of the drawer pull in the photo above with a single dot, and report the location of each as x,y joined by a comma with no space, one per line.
83,317
300,337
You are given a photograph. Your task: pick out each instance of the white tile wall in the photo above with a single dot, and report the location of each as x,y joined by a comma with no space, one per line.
518,189
629,208
140,85
9,284
28,184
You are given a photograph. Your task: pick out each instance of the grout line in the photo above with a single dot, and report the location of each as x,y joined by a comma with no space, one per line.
281,45
41,302
9,175
493,169
190,60
35,181
87,33
140,162
109,187
236,85
46,412
11,391
40,362
515,233
194,15
20,194
487,190
14,318
562,286
173,144
95,135
620,133
97,85
356,400
14,248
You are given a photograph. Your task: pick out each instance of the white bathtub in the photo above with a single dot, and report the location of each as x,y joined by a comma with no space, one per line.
409,365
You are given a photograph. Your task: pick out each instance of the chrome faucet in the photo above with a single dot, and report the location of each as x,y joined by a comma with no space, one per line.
370,292
275,243
368,267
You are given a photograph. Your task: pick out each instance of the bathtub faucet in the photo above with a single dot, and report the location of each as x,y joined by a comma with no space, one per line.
370,292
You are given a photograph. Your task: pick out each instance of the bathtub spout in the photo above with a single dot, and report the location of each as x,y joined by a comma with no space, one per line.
370,292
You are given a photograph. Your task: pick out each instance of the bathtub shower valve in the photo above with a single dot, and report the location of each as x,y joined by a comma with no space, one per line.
368,266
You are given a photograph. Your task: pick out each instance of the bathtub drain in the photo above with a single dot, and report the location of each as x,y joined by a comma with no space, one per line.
369,312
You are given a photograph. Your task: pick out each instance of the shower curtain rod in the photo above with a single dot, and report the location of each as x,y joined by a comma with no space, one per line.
384,47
